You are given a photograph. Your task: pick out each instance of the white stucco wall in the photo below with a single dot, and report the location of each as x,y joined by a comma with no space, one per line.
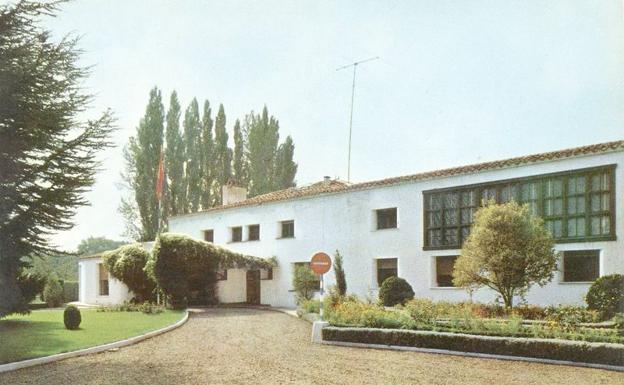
89,285
345,222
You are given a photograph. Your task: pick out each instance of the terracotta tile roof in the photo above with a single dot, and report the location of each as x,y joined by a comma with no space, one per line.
335,186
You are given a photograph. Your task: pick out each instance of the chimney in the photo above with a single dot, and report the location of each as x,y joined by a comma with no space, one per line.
326,180
233,194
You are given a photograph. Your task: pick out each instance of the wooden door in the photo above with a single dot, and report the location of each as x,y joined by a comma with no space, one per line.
253,287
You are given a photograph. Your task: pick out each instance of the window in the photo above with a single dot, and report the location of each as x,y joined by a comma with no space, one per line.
103,275
444,270
307,264
576,206
209,236
237,234
288,229
581,265
254,232
266,274
386,218
386,267
222,275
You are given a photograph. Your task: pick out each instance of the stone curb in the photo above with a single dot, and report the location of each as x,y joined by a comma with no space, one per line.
476,355
95,349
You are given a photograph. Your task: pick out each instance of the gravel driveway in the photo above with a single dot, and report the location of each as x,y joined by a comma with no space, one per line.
244,346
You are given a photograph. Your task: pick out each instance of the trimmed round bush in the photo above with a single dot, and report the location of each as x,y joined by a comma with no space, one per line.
395,291
606,295
53,292
71,317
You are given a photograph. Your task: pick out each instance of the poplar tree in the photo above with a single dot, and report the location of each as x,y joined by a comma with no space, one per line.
223,154
142,155
192,140
207,157
262,134
174,159
239,164
285,167
48,154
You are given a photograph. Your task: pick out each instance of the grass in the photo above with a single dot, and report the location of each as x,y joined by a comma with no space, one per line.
42,332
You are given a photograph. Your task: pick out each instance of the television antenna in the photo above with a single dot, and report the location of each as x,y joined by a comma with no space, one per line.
354,65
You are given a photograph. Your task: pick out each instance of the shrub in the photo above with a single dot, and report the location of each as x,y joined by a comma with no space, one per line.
608,354
145,307
30,285
53,292
341,281
71,317
305,283
70,291
606,295
127,264
309,306
569,317
395,291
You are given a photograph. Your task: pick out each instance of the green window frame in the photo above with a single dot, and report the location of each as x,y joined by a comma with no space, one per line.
577,206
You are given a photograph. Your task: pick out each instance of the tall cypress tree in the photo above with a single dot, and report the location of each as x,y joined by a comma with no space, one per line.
262,134
285,167
239,164
192,140
174,159
48,154
142,156
207,158
223,154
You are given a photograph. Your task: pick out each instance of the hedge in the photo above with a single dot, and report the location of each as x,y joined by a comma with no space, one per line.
127,264
594,353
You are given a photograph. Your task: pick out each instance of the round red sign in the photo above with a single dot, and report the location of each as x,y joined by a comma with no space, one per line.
320,263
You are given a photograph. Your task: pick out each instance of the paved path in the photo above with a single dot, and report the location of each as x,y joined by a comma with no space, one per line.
243,346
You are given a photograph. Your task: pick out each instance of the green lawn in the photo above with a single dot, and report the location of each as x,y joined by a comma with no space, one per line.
42,332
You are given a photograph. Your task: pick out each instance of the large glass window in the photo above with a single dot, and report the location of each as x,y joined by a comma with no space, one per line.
103,279
576,206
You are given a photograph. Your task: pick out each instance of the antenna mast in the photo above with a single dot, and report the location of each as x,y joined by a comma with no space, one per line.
354,65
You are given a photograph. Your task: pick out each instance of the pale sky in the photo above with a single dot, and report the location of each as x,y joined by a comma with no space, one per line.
458,82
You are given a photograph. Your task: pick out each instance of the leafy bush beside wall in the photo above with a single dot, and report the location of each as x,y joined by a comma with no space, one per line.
606,295
181,266
395,291
597,353
127,264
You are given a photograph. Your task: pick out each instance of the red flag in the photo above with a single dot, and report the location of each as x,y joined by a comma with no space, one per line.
161,177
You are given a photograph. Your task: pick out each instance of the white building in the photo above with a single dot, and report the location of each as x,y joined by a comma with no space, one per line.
412,226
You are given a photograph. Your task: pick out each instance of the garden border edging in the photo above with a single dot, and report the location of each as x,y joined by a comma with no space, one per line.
337,342
11,366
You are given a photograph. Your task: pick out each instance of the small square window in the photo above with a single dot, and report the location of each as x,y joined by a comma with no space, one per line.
209,236
288,229
254,232
581,265
386,268
237,234
444,270
266,274
222,275
387,218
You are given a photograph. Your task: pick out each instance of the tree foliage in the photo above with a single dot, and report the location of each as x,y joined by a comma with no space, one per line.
305,282
223,155
48,155
239,163
183,267
127,264
207,158
95,245
606,295
174,159
192,138
341,281
142,156
508,250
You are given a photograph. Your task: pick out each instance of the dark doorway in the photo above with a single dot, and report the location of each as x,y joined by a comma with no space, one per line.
253,287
